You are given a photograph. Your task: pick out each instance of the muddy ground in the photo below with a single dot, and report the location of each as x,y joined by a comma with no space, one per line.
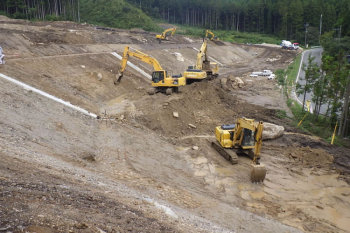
135,169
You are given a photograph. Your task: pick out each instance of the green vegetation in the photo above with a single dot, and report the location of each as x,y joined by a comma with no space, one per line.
328,85
115,13
230,36
282,18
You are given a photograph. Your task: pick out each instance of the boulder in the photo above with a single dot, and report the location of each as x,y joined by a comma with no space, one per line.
272,131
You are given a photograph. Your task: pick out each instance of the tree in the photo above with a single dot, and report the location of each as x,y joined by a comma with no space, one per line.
312,73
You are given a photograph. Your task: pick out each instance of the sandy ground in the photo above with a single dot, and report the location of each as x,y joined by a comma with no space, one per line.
135,170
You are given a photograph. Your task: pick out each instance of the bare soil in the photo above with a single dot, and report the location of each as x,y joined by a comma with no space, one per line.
135,169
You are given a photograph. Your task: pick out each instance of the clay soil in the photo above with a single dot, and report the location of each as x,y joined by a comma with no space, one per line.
138,168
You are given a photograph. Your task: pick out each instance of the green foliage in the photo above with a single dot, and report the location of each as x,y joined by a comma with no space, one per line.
282,18
230,36
320,126
280,74
53,18
115,13
312,74
292,71
281,114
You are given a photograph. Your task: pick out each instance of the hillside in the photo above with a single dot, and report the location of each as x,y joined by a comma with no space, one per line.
138,168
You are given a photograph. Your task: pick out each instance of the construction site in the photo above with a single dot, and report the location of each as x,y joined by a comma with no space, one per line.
131,161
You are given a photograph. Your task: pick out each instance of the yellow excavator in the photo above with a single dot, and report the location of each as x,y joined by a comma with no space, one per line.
161,80
164,35
203,68
243,137
211,34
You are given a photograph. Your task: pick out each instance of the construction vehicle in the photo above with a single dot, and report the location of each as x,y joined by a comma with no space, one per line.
211,34
243,137
203,68
289,45
162,81
165,33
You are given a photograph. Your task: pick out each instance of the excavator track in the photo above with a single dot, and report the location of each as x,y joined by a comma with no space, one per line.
228,154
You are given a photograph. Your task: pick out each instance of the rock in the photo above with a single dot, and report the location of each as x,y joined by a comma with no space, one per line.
195,148
176,114
121,117
192,126
223,81
232,79
272,131
239,82
99,76
81,225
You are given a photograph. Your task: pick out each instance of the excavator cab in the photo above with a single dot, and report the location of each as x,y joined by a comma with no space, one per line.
248,139
158,76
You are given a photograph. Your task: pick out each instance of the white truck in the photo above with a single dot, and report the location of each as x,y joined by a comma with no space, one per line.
289,45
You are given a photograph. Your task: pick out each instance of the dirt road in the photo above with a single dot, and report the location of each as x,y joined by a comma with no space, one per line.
135,169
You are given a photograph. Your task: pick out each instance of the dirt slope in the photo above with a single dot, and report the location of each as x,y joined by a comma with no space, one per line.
135,169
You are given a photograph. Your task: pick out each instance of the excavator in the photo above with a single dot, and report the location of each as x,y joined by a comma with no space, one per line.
211,34
243,137
161,80
165,33
203,68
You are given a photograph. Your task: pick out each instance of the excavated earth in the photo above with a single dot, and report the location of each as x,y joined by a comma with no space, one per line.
138,168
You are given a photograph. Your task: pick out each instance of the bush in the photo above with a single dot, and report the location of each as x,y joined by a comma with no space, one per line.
115,13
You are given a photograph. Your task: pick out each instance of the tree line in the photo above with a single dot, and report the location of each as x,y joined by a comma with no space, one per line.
42,9
288,19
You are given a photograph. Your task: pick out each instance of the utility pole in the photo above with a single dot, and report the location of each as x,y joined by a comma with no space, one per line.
319,40
306,25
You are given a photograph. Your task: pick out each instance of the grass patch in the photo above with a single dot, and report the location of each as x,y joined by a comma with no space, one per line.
229,35
292,71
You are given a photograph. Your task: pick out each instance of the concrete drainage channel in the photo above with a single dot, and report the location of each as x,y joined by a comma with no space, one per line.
133,66
54,98
68,104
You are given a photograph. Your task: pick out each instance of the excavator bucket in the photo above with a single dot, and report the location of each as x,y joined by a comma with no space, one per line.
258,173
118,78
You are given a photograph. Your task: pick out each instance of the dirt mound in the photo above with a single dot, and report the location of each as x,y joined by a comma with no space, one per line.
312,157
201,107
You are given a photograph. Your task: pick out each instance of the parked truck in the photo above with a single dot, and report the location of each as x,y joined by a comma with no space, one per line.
289,45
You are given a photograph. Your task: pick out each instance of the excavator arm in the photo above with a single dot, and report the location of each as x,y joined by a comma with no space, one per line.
139,55
202,53
163,36
211,34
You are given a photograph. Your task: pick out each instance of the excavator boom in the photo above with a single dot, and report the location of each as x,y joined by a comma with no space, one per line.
139,55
